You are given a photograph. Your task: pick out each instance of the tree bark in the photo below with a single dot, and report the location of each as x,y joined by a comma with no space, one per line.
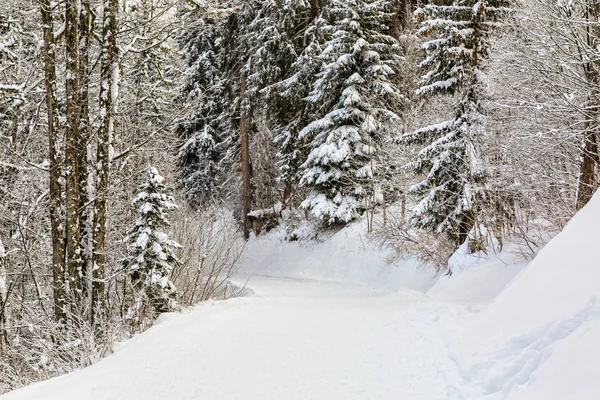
467,223
401,16
55,194
85,32
315,8
109,71
586,184
72,143
245,142
287,193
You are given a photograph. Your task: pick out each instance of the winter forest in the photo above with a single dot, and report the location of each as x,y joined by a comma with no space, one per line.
150,149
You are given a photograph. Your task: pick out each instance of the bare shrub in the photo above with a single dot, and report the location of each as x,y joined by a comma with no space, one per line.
429,248
212,248
40,348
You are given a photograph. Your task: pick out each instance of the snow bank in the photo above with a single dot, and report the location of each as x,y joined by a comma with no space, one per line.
347,256
540,339
478,278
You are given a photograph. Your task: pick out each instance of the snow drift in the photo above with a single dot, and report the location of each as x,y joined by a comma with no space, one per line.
540,339
346,256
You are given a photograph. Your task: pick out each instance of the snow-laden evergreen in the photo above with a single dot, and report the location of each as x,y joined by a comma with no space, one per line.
450,159
208,134
151,252
271,47
276,37
291,95
351,97
270,37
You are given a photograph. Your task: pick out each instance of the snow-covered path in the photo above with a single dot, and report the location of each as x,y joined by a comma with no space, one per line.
297,339
334,319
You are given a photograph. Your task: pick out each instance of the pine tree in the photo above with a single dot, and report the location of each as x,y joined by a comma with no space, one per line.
351,98
451,159
151,253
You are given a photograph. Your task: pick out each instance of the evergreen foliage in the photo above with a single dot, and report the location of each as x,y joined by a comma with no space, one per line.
352,113
151,253
274,40
293,109
450,159
208,133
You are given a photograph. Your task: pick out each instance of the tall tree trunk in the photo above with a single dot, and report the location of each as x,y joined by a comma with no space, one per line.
85,32
287,193
466,224
56,223
109,71
72,143
401,16
246,182
315,8
589,152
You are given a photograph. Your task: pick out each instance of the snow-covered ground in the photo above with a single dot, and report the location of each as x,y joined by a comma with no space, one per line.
341,319
302,340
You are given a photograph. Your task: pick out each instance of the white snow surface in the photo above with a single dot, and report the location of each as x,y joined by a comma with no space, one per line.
540,339
340,319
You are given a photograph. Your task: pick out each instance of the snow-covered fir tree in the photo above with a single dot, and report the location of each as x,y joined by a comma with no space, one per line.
290,95
151,253
450,160
352,97
284,57
270,38
207,132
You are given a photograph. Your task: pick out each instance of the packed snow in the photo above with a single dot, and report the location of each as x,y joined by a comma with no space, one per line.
336,317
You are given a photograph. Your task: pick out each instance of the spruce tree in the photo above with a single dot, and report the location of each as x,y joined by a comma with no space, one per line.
208,133
351,98
273,41
269,37
292,107
151,253
450,160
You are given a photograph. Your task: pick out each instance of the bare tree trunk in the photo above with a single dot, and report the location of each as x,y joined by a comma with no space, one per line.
589,152
246,182
287,193
403,206
85,32
3,299
109,72
384,191
72,143
315,8
56,223
401,16
466,224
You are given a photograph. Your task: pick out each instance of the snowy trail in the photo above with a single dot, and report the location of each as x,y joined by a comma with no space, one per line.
334,319
297,339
